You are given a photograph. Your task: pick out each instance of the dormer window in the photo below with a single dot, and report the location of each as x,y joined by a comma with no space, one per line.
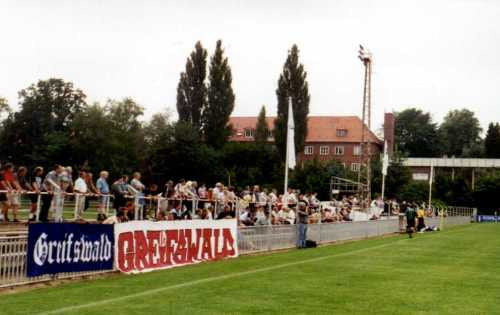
341,132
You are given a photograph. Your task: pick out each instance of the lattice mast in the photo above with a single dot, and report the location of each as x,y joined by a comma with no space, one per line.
365,155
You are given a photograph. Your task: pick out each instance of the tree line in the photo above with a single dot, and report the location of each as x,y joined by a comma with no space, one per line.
459,135
56,124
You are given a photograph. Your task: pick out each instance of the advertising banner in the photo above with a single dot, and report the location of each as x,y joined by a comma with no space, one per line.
488,218
68,247
144,246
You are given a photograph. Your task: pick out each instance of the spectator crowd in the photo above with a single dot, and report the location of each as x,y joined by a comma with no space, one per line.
182,200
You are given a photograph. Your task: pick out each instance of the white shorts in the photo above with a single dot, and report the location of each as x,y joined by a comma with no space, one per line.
14,199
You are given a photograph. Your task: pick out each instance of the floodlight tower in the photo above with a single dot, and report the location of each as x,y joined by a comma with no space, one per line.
365,155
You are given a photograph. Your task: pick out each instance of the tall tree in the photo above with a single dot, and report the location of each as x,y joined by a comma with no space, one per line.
4,113
192,89
220,100
4,106
39,132
262,129
492,141
292,84
127,134
460,132
416,135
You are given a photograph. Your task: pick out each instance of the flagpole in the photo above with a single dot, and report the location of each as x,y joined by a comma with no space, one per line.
431,175
384,169
290,161
285,189
385,165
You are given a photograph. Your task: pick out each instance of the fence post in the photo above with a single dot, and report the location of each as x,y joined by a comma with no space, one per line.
107,204
77,199
38,203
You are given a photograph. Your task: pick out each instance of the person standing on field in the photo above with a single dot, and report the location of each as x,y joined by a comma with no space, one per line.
410,215
302,220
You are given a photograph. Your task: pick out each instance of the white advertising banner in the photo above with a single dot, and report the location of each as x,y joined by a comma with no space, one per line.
142,246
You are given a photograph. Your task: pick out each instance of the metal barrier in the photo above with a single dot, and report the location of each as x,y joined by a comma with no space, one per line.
63,203
13,246
13,260
274,237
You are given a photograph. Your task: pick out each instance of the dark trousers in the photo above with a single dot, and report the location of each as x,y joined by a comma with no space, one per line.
44,209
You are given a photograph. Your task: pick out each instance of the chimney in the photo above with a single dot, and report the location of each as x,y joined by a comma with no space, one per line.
389,125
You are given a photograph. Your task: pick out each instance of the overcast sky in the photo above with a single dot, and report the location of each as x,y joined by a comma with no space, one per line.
437,55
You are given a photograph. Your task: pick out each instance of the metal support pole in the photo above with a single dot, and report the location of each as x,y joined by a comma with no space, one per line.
473,180
38,204
77,198
431,175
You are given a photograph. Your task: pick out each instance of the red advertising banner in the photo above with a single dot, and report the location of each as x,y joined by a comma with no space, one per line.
142,246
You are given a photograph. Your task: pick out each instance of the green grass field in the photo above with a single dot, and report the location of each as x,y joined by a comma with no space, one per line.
456,271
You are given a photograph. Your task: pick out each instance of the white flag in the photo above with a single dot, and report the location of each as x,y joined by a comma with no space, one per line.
385,161
290,136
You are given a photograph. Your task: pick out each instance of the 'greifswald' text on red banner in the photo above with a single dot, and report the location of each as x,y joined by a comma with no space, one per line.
142,246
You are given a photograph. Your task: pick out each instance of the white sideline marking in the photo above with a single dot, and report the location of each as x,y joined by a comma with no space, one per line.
228,276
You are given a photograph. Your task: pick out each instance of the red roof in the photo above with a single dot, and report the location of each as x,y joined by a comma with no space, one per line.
320,128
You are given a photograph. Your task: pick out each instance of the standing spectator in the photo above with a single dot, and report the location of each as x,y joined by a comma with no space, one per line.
48,185
139,186
169,193
120,191
81,188
203,194
4,197
302,220
68,171
13,196
36,184
152,201
102,187
24,183
89,180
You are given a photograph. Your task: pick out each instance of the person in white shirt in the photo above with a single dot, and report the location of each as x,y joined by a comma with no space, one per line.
80,188
290,216
260,217
273,197
246,217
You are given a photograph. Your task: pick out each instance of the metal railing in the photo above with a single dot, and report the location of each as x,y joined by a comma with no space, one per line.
64,202
13,262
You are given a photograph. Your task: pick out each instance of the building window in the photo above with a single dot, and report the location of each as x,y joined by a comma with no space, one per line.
308,150
355,167
269,134
341,132
339,150
356,150
324,150
249,133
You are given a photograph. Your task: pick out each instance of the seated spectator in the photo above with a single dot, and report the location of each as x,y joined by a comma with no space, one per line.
129,210
328,216
289,216
246,218
260,216
114,219
227,213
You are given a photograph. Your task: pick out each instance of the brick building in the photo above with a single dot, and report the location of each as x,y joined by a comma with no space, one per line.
329,137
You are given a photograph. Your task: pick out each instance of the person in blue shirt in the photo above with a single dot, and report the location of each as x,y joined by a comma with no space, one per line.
103,189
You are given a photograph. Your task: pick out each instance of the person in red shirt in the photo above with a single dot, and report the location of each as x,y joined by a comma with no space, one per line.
9,183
